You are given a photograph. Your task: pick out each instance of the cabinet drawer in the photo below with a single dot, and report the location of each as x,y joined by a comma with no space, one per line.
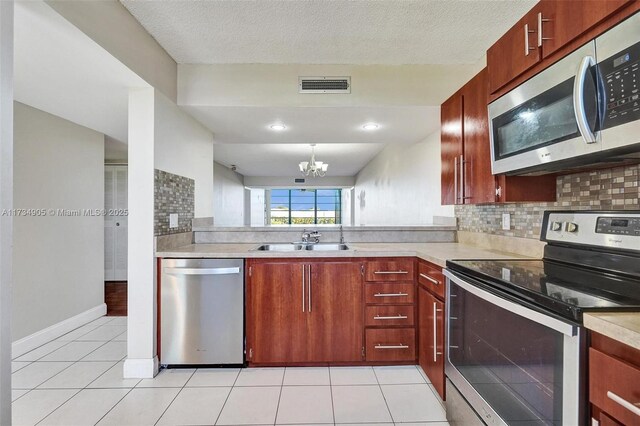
389,270
391,344
382,316
613,387
389,293
430,276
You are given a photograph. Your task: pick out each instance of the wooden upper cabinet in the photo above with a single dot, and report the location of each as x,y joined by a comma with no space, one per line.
479,185
450,147
515,52
564,21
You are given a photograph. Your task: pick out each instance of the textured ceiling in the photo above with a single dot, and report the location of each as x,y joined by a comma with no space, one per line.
327,31
344,159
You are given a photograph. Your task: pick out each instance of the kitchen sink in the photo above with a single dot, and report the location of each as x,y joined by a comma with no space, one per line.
327,247
300,247
280,247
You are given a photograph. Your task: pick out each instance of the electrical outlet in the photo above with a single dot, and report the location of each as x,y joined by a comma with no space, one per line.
506,221
173,220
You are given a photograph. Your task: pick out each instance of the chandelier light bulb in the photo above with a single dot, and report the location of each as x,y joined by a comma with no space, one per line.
313,168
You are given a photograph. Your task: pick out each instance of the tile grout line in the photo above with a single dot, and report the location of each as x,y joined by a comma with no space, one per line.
333,409
175,397
284,373
228,395
79,389
383,396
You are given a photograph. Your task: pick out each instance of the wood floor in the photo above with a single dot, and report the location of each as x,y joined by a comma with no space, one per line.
115,296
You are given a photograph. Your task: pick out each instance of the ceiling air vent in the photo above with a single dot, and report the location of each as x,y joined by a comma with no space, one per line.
324,84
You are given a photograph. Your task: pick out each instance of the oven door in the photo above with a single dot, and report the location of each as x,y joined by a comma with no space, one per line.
551,117
513,364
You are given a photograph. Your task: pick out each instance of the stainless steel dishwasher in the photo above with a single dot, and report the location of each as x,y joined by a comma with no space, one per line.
202,312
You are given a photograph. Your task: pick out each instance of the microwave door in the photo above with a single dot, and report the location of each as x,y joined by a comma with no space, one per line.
548,119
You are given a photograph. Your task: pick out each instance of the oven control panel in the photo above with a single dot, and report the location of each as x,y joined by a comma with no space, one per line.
593,228
618,226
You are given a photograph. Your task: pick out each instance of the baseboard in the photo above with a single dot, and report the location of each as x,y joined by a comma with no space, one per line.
39,338
142,368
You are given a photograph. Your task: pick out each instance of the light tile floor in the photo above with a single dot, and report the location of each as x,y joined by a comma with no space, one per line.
77,380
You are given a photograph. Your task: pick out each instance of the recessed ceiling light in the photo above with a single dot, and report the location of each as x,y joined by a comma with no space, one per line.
371,126
277,127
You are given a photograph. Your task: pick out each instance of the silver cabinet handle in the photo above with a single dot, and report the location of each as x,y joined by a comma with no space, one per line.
427,277
461,180
623,402
390,294
455,180
390,272
201,271
527,31
578,99
435,331
309,276
303,272
540,21
378,317
400,346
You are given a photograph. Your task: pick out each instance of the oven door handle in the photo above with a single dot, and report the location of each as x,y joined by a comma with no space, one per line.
538,317
578,99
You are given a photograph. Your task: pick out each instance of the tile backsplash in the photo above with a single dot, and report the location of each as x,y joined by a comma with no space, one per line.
606,189
173,194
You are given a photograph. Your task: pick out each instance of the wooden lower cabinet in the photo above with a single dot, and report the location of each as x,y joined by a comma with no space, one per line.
304,312
614,374
431,338
391,344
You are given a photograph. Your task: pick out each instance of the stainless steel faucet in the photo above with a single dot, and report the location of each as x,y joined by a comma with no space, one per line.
341,236
310,235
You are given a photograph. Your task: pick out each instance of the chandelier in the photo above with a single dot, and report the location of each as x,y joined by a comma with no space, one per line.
313,167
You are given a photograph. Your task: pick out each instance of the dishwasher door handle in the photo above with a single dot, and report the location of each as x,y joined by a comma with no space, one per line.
201,271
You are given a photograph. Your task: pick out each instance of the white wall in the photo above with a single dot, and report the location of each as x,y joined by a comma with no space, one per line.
401,186
228,197
58,261
6,202
184,147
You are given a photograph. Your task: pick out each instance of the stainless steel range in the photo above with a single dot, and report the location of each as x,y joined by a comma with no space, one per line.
516,350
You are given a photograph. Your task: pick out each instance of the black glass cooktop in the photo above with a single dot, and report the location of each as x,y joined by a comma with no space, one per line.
561,288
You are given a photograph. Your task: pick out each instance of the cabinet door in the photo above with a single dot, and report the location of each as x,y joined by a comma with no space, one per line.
479,183
514,53
431,338
277,313
563,21
335,312
450,148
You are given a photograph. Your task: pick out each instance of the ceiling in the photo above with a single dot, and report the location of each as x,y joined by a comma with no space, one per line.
327,31
273,160
250,125
60,70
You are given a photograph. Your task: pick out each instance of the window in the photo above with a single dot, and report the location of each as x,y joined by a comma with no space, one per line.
305,206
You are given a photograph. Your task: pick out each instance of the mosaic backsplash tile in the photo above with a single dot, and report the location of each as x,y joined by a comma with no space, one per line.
606,189
173,194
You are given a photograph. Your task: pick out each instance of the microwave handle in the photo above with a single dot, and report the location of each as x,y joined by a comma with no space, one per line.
578,99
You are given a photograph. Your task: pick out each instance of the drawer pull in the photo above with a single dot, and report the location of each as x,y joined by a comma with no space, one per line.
400,346
390,294
378,317
427,277
390,272
623,402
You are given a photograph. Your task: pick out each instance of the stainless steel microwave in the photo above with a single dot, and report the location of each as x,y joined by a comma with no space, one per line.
582,110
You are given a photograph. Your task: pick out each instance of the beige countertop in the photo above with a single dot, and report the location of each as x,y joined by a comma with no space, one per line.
621,326
437,253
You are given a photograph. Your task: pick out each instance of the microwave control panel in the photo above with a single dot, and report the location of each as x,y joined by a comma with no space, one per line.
620,76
